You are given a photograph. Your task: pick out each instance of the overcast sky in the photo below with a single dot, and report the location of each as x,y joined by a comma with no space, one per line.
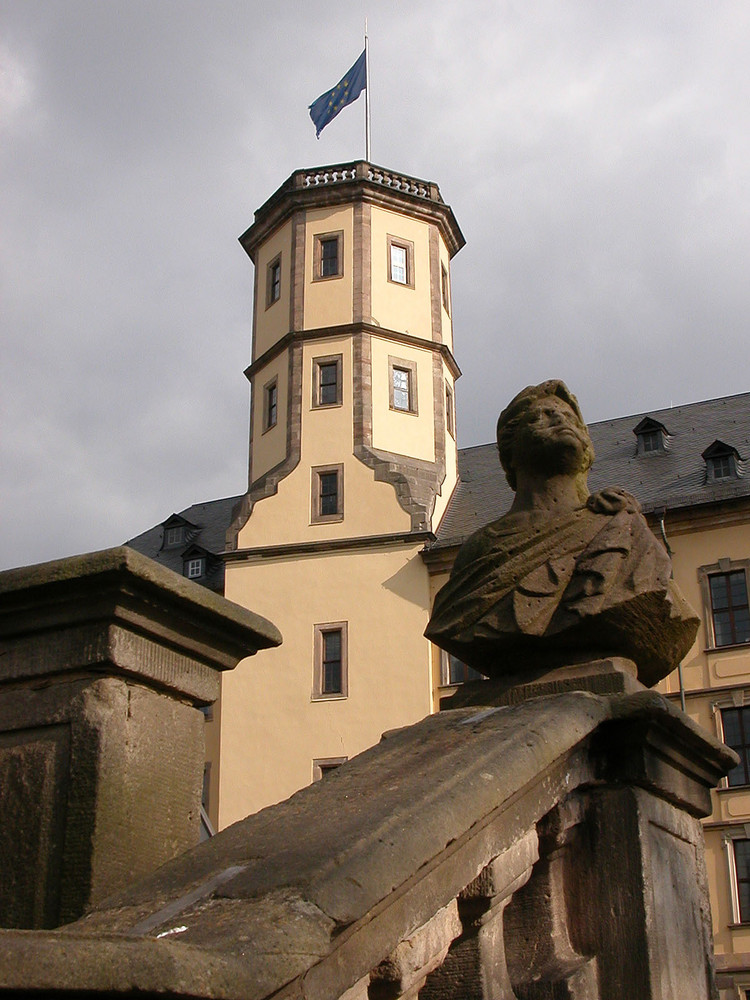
595,154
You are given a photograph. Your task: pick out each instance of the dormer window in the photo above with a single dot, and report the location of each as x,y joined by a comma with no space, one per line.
195,568
721,467
195,563
177,531
721,462
651,437
175,536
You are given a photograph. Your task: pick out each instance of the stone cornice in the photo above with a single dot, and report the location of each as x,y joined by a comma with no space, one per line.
346,330
322,187
120,611
687,517
323,545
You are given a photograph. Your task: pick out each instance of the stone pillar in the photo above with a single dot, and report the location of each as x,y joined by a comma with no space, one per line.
618,904
646,852
105,662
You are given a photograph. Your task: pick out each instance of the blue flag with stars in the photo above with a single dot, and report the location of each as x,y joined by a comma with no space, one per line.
347,90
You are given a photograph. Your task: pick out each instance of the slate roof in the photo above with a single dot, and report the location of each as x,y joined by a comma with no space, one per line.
208,523
671,479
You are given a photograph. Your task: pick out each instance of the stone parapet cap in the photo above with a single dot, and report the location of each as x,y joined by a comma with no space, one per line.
347,182
116,611
650,743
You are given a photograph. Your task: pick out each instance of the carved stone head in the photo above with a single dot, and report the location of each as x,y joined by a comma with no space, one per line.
525,422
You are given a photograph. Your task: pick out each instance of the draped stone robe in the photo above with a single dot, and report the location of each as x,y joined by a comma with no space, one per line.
594,581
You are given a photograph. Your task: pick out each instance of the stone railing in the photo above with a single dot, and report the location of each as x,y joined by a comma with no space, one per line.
550,848
361,170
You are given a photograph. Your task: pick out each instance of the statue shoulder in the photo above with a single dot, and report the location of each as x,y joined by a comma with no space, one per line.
474,546
612,500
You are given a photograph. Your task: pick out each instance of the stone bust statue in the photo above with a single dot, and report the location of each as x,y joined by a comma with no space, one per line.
565,576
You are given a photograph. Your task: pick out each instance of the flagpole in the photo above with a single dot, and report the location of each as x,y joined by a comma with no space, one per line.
367,95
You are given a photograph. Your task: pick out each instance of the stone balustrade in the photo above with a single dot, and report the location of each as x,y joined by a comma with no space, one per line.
361,170
545,849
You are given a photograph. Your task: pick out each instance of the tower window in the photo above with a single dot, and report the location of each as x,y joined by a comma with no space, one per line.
450,415
327,493
444,288
729,607
273,281
398,264
328,256
401,389
403,385
401,261
270,404
330,678
327,381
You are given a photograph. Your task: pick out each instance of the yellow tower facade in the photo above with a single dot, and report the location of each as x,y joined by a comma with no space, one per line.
353,459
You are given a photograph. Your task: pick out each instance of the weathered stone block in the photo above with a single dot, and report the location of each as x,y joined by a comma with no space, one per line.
106,660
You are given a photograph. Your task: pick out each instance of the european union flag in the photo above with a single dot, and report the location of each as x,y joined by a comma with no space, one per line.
348,89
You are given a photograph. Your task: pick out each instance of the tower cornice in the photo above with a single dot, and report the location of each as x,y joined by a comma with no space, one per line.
321,333
322,187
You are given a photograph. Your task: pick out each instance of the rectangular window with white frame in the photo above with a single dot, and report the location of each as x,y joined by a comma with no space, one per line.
330,671
402,385
737,846
195,568
735,732
724,588
328,255
401,261
327,385
455,671
327,489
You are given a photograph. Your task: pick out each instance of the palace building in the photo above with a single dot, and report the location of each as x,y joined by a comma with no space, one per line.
358,500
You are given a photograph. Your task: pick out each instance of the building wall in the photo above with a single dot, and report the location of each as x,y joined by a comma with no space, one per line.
370,507
272,321
269,447
400,307
394,430
329,301
714,678
382,594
